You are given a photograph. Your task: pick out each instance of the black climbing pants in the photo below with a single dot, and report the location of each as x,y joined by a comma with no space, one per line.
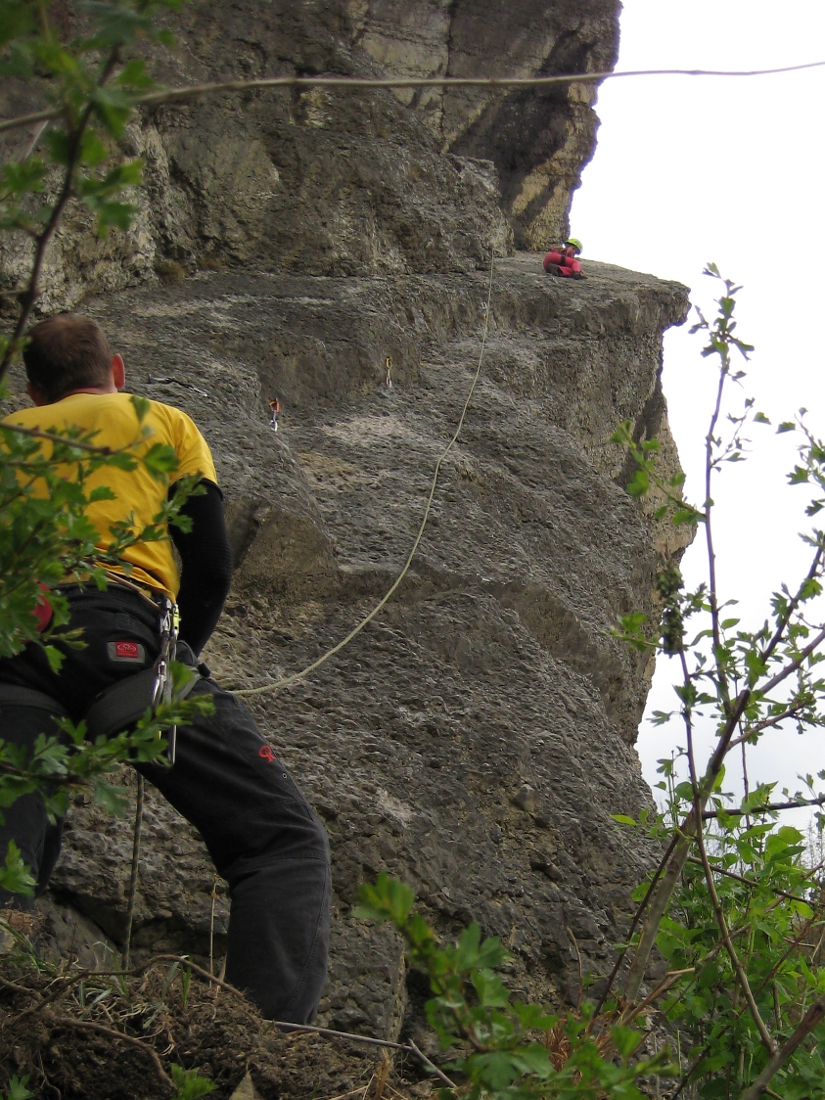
263,837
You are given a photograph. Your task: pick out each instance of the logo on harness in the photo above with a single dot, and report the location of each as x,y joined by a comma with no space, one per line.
126,651
266,753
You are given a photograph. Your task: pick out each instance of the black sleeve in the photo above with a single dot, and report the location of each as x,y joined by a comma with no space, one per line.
207,565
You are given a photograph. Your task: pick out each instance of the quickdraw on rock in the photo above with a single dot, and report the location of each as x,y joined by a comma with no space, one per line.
274,411
388,368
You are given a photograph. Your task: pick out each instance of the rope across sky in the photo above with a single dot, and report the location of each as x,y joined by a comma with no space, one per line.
193,91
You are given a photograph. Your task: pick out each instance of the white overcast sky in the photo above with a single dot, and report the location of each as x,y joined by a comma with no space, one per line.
692,169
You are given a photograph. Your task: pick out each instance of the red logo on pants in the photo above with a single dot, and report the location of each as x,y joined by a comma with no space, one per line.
266,753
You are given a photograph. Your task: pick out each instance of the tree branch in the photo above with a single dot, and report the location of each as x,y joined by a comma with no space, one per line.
792,606
813,1017
113,1033
768,723
748,881
36,433
739,970
795,664
66,190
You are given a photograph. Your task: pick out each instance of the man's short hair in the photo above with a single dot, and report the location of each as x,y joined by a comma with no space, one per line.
66,353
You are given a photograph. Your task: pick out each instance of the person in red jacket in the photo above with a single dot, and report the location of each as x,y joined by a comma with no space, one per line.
562,260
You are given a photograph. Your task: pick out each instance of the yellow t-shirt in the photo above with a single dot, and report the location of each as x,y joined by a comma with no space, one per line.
113,419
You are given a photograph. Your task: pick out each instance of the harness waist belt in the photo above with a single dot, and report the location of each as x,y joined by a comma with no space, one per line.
13,696
116,709
121,705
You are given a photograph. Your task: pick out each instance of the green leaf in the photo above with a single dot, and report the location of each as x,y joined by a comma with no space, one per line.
15,875
141,406
639,483
534,1059
134,75
18,1088
189,1084
17,20
160,460
626,1040
57,144
54,657
113,799
490,989
92,149
682,516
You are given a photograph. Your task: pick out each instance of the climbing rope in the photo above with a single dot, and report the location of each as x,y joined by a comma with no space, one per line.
130,904
277,685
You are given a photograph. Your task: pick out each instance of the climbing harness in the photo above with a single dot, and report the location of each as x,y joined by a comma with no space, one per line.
123,703
287,680
388,368
274,411
121,706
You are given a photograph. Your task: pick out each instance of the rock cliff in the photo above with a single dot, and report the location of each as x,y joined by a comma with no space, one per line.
340,182
476,738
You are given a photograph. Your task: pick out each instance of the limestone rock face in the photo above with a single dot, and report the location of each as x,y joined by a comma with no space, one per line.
343,182
538,141
477,736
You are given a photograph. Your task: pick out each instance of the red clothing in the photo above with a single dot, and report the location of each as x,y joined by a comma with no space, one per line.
559,263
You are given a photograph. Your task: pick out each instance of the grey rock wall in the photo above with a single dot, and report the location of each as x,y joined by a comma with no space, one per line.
343,182
476,738
538,141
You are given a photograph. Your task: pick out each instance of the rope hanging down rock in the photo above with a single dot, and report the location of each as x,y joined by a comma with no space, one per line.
133,876
277,685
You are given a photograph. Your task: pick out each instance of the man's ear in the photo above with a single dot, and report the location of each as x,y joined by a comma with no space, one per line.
37,396
118,372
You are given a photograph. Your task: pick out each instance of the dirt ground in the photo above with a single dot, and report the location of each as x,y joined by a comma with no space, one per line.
79,1035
